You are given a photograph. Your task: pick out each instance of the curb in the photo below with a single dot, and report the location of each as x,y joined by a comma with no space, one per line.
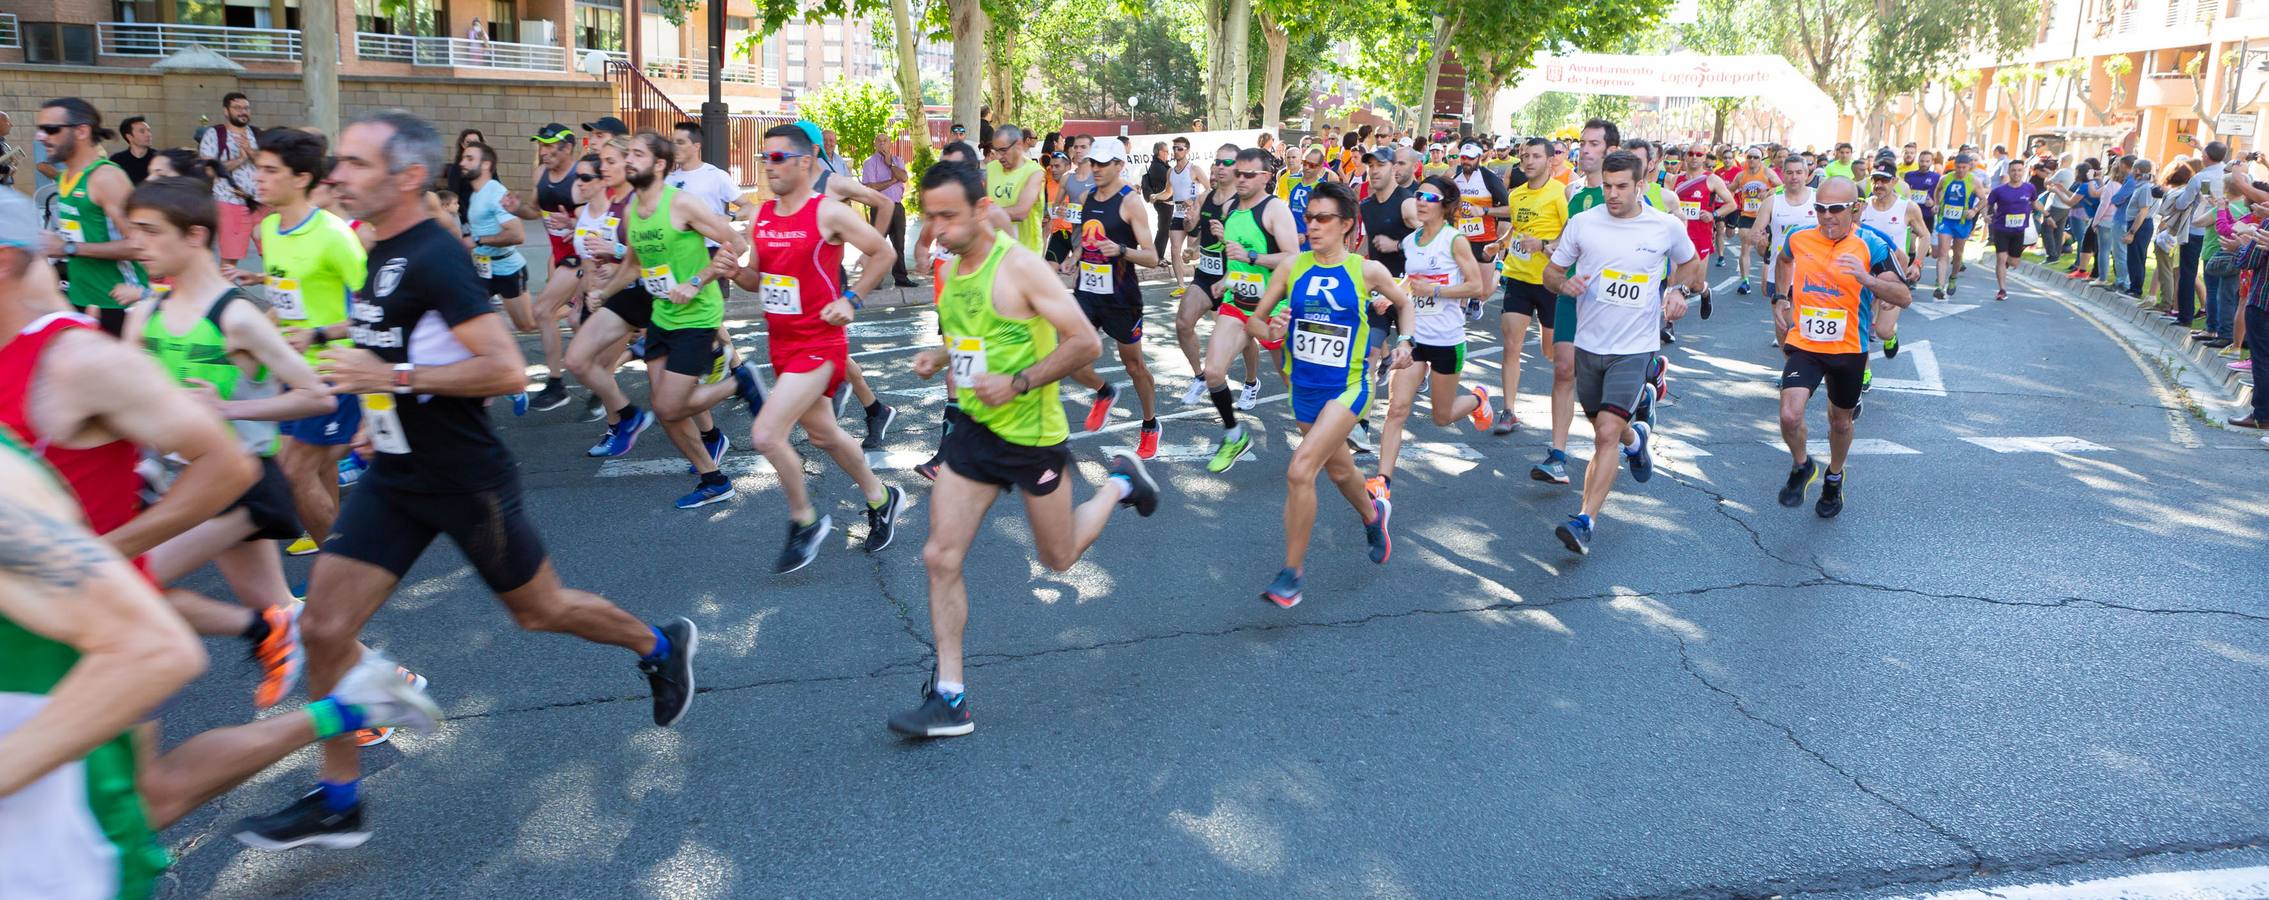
2176,351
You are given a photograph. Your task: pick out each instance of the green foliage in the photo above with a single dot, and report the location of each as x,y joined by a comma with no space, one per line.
923,159
1921,38
1612,107
1547,113
857,111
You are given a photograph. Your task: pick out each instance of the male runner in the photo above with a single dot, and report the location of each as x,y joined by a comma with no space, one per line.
1481,202
1789,209
1114,237
555,205
1014,183
1753,187
1184,181
602,240
1212,217
1260,236
799,238
1011,333
1539,208
90,195
1840,166
496,235
311,260
1959,198
1294,187
1317,300
1618,255
1703,199
1901,223
2008,209
1833,276
1439,272
428,351
1594,142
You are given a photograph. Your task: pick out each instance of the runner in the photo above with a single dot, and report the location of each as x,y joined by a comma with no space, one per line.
1211,219
1958,198
1598,137
1754,188
1897,219
555,205
878,414
1387,216
1317,299
428,333
2009,211
90,194
1439,268
495,236
668,257
940,258
1184,181
1114,238
1790,208
1703,200
1011,332
799,238
1539,211
1619,254
602,234
1294,187
311,257
1259,236
1844,272
1015,185
1481,203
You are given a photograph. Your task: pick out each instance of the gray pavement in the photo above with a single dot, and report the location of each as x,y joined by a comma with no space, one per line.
2000,665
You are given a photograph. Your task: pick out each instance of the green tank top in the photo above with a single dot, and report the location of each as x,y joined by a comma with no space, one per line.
1586,198
668,257
1243,229
84,221
310,269
980,340
200,353
1006,186
105,801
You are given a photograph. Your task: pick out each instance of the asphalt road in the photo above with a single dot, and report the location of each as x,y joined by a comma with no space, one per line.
1995,667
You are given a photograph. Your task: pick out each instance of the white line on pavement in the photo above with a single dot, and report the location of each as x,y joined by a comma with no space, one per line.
2196,884
2060,443
1859,447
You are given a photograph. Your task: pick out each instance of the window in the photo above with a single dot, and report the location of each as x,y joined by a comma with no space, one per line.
832,53
135,10
598,25
418,18
58,43
660,37
504,21
771,58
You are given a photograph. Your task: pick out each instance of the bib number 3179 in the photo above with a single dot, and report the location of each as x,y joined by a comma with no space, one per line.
1321,343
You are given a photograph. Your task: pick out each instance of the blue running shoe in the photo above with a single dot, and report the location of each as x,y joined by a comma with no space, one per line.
621,436
520,403
1553,470
1375,533
1641,454
705,494
1576,534
716,452
1285,590
351,468
748,388
638,347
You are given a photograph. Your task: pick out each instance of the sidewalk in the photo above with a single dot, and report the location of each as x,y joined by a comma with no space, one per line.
2219,392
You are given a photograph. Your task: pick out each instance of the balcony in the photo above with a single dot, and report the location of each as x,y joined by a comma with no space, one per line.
459,53
154,40
680,67
10,38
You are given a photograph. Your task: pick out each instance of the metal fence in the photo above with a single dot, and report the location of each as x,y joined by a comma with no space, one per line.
9,35
160,39
460,53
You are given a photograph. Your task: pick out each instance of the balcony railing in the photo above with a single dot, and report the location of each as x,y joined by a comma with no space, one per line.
9,36
698,70
155,39
459,53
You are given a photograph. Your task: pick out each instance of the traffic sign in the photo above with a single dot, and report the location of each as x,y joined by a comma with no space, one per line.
2237,124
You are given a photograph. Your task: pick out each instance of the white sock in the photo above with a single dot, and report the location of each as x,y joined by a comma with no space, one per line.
949,688
1124,484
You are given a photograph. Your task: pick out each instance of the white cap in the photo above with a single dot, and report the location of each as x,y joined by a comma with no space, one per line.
1472,150
1504,143
1106,150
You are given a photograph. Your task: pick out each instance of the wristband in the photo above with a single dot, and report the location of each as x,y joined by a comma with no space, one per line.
1025,386
402,377
852,297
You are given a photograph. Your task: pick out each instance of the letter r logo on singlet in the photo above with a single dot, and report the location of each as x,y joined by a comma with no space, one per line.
1327,286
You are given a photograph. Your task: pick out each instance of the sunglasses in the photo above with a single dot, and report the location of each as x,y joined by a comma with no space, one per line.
1831,208
1325,217
1429,197
1225,163
582,176
1255,174
57,129
778,157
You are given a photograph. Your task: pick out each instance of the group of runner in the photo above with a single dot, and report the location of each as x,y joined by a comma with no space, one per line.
367,342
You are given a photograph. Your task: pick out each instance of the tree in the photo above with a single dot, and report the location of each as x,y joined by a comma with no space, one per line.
1958,85
2020,92
1907,41
967,24
772,15
1547,113
1227,33
1403,42
2195,71
2116,69
1612,107
859,112
1724,27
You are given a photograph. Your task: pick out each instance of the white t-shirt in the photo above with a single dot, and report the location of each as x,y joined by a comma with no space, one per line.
1439,323
1626,262
709,183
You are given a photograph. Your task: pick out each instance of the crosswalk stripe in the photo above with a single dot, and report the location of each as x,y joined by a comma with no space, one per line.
1859,447
2059,443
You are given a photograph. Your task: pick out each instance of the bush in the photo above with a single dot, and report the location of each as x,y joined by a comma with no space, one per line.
857,111
923,160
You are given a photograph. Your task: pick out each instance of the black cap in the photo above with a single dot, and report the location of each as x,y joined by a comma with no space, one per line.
552,133
1886,173
608,124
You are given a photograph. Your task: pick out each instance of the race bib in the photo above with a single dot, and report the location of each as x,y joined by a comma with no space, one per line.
1471,228
1321,343
657,280
72,230
2013,222
283,296
968,354
1691,209
1246,285
782,295
1094,278
1624,289
1821,325
1209,264
385,424
1749,205
481,265
1421,289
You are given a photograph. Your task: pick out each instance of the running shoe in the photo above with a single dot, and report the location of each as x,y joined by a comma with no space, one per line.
1705,305
280,655
379,734
1195,394
1575,534
621,436
1553,469
2243,365
1378,487
882,521
878,426
1472,311
1866,379
929,469
937,716
2000,295
1641,454
670,679
1099,414
1375,532
706,493
351,467
593,409
748,388
1831,498
1144,497
638,347
1482,416
1743,288
1799,478
1891,347
307,822
1669,334
1718,261
302,547
520,403
1938,293
841,399
1285,590
1233,447
553,396
1645,410
1249,397
803,544
1858,407
1504,421
388,694
1178,291
716,451
1360,438
1147,446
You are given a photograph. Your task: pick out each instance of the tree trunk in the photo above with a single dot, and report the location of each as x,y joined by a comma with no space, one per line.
1001,75
909,74
968,23
1482,107
1239,31
1425,106
319,64
1717,124
1278,42
1226,22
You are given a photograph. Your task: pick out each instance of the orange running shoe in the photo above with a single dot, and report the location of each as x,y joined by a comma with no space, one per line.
1377,486
1148,448
279,655
1482,418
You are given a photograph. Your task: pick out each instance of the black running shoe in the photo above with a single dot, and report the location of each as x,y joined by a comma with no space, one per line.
882,521
307,822
593,410
936,717
929,469
1831,498
1144,497
670,679
1799,478
553,396
803,545
878,426
1706,298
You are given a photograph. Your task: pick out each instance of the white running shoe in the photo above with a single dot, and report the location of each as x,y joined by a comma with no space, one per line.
1250,397
1196,393
376,684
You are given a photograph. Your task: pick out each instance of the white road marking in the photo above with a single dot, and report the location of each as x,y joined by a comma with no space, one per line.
1936,311
2194,884
733,466
2060,443
1859,447
1927,379
895,460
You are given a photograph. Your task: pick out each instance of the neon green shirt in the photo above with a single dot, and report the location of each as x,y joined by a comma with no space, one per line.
311,268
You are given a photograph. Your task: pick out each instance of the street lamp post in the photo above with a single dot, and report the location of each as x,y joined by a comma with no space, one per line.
715,143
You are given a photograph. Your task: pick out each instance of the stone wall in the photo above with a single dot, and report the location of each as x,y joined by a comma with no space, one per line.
507,112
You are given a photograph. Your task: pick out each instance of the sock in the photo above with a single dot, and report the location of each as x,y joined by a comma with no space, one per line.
951,690
1386,479
712,477
1556,453
338,797
661,646
1124,483
877,504
1150,423
628,412
257,632
332,718
875,408
1224,403
712,436
808,521
1233,433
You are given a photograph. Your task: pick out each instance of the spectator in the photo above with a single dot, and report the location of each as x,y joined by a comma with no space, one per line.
12,155
2212,190
478,37
230,146
599,132
135,159
2111,222
2135,227
2171,212
177,162
885,171
2252,269
828,155
2057,186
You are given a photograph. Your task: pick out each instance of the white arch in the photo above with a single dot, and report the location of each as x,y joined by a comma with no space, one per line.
1765,76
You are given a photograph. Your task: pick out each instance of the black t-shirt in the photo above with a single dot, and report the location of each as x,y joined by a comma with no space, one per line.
137,168
422,284
1382,216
